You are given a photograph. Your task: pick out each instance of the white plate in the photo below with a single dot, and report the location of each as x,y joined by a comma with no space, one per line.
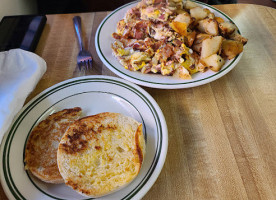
94,94
104,39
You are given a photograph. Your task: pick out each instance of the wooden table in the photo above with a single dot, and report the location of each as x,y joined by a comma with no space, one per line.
222,135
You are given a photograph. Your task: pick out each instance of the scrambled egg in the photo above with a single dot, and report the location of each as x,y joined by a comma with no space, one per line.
122,52
170,38
152,36
138,60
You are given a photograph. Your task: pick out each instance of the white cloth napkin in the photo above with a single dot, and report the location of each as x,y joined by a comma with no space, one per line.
20,71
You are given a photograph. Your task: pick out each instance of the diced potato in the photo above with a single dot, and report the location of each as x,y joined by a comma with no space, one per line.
219,19
180,38
189,5
184,18
214,62
201,68
207,10
176,1
226,28
198,13
202,36
211,15
237,37
180,11
197,45
231,48
182,72
175,4
209,26
211,46
200,26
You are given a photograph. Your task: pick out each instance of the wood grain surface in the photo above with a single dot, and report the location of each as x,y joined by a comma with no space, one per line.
222,135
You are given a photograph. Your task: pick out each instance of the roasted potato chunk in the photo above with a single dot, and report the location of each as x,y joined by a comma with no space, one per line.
237,37
219,19
214,62
211,46
199,13
197,45
209,26
175,4
175,38
184,18
231,48
201,68
211,16
226,28
189,5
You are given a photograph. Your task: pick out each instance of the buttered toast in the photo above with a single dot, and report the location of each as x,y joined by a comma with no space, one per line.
42,145
101,153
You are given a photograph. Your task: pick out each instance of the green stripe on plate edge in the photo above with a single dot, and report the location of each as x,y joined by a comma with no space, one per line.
83,80
43,96
41,190
156,83
10,137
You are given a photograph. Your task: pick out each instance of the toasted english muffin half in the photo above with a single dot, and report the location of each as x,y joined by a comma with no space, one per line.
102,153
41,148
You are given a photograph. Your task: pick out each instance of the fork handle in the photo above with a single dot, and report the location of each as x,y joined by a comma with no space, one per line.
77,25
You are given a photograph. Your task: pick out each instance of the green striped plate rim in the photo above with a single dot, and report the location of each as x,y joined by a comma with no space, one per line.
133,78
8,177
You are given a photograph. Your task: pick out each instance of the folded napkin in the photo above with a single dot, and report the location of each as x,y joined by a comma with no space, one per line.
20,71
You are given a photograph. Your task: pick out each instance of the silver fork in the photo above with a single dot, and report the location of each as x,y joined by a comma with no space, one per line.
84,58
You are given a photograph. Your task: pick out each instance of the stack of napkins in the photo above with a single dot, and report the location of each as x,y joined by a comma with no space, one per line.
20,71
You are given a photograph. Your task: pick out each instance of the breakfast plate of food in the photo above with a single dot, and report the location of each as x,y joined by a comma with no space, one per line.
169,44
88,137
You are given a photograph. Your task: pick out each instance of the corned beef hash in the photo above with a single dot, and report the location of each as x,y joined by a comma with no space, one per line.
174,38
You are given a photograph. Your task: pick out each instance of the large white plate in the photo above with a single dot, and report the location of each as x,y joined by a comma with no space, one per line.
104,39
94,94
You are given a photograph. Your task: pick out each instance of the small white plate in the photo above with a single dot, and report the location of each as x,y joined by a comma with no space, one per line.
94,94
104,39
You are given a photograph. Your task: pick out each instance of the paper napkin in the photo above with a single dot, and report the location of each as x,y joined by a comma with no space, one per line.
20,71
